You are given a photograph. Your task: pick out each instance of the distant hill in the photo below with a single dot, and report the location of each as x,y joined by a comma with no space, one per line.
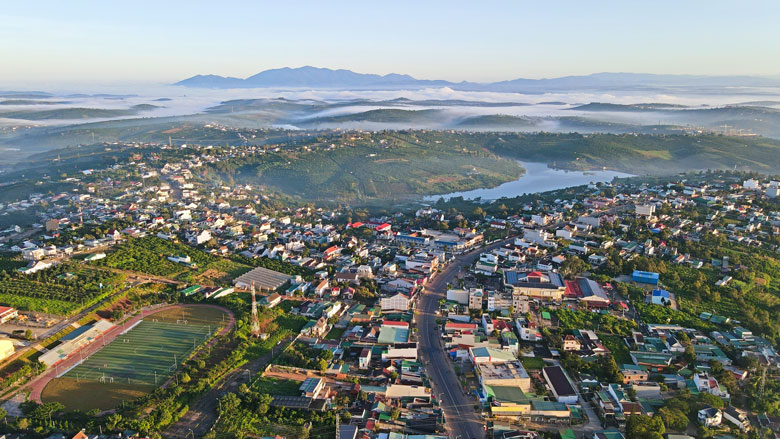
316,77
599,106
31,102
495,121
386,115
77,113
307,77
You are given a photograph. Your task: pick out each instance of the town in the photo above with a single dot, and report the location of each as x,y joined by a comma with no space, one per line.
148,300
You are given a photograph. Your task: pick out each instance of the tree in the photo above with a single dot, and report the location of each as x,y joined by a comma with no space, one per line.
228,404
573,266
263,404
28,334
673,419
395,413
644,427
689,356
113,421
117,314
22,423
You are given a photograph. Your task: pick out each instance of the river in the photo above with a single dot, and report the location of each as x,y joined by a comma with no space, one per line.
537,178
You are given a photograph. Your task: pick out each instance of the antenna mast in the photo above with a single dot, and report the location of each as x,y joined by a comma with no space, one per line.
255,319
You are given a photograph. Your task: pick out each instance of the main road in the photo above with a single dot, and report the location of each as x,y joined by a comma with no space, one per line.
462,419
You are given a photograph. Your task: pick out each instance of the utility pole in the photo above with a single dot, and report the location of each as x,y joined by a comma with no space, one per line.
338,421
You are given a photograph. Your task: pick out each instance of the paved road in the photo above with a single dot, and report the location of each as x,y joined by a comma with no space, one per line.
203,414
462,420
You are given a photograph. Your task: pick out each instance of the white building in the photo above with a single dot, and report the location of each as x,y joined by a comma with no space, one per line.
710,417
396,302
773,190
751,184
644,209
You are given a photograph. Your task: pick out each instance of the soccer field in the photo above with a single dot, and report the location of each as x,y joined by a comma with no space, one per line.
138,361
147,354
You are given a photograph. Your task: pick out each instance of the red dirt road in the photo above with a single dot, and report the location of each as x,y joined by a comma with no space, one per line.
37,385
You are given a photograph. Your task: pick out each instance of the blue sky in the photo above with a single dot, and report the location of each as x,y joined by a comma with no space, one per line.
167,40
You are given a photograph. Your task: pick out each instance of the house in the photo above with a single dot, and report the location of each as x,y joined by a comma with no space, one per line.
201,238
737,417
487,323
6,349
181,259
364,360
316,328
319,290
33,254
352,278
271,300
710,417
7,313
660,297
646,210
95,257
407,392
560,384
634,375
483,354
707,384
35,266
475,299
571,343
311,387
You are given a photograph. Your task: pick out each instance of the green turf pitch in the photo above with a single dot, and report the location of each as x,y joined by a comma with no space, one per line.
149,353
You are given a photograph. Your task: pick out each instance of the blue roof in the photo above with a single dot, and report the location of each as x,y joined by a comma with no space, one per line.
661,293
648,274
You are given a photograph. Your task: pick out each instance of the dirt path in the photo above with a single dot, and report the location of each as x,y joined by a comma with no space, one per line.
37,385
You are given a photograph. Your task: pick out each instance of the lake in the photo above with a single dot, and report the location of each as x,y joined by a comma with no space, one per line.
537,178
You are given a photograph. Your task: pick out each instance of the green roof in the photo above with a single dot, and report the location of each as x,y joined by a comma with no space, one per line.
511,394
539,404
191,290
392,335
546,315
567,434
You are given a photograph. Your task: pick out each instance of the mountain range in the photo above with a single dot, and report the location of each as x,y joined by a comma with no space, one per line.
316,77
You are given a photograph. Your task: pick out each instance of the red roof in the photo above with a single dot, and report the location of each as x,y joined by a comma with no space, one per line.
534,274
395,323
457,325
572,289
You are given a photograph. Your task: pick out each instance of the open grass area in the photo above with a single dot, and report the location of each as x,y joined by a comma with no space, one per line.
335,333
618,348
274,386
87,395
137,361
532,363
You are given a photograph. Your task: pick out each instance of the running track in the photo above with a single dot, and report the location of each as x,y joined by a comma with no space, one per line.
37,385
